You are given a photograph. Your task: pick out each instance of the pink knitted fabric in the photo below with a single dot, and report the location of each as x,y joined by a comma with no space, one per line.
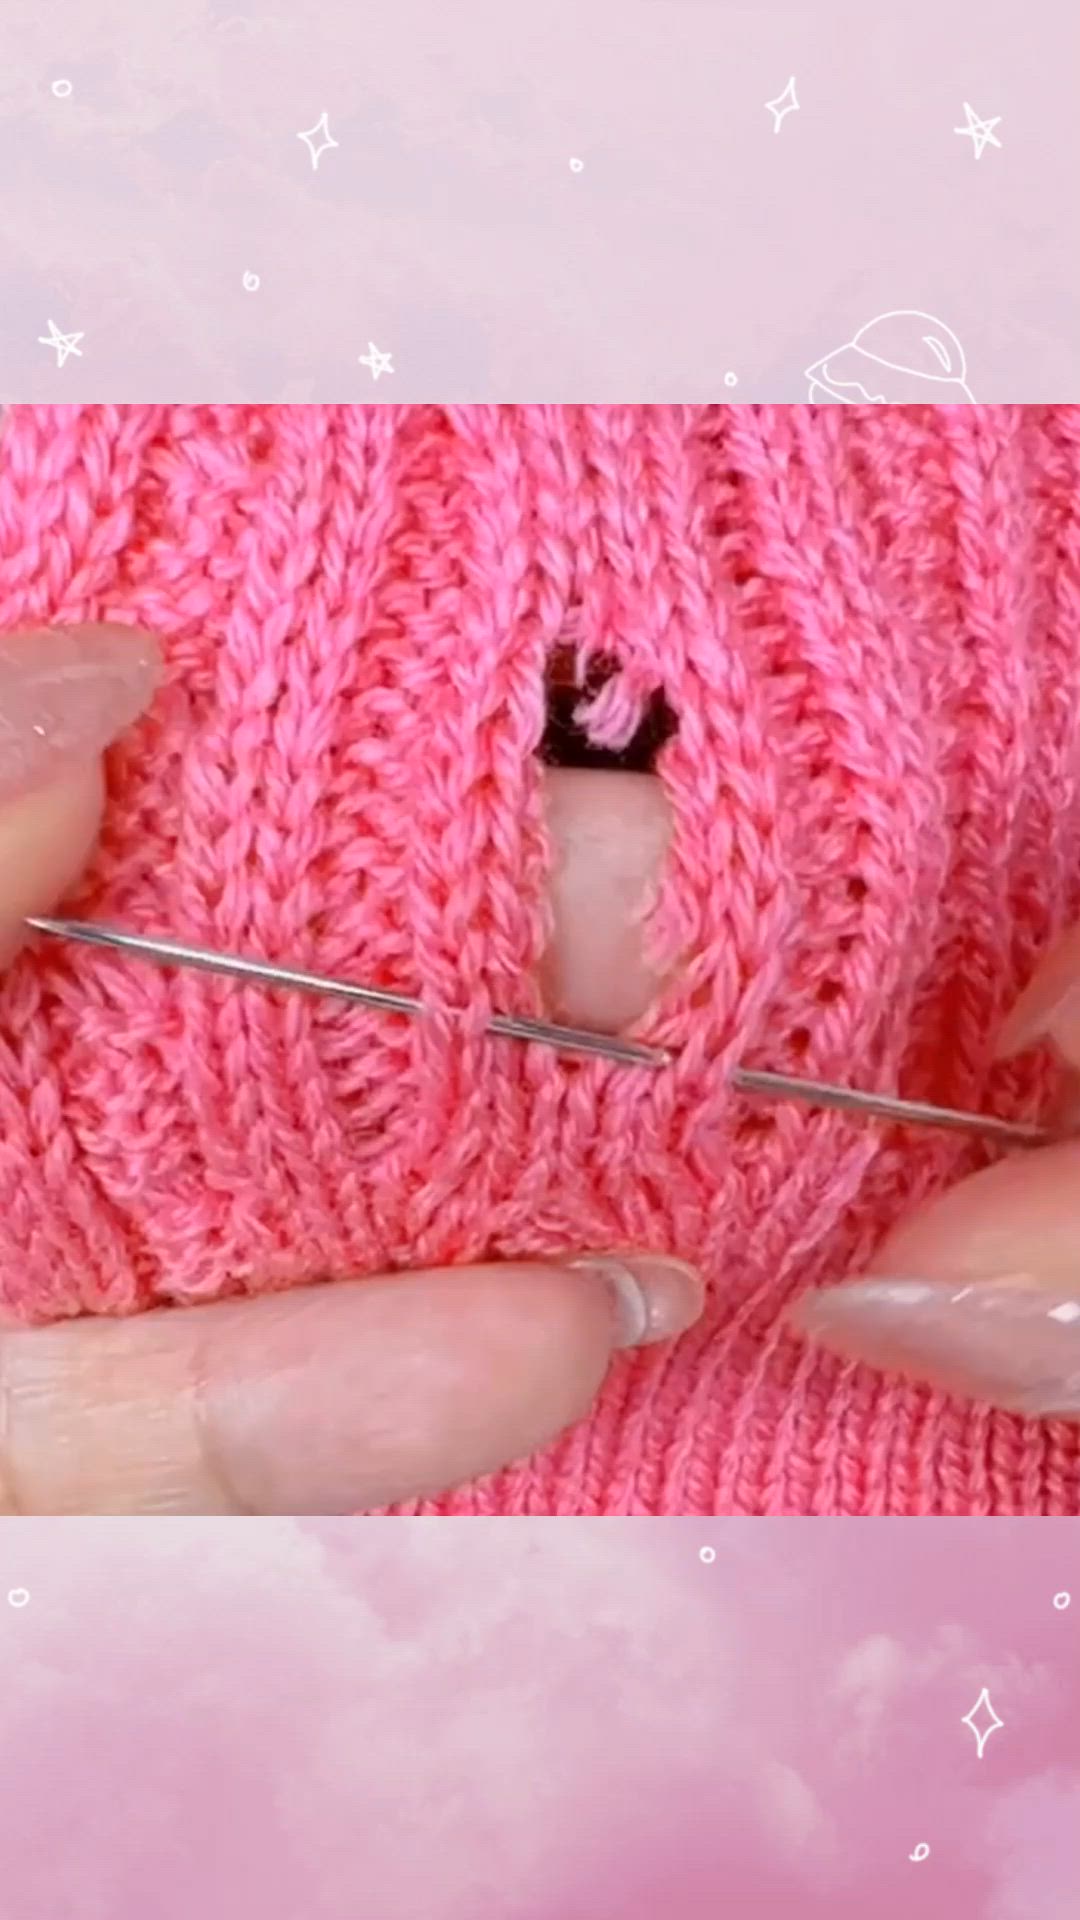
866,623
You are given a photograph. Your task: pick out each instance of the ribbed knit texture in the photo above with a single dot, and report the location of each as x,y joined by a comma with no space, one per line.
866,622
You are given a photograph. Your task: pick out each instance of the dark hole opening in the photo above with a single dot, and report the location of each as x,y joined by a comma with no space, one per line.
565,743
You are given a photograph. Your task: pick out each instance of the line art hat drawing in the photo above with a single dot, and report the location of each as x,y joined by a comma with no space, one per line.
898,357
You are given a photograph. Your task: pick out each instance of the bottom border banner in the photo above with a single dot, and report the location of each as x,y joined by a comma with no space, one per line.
540,1719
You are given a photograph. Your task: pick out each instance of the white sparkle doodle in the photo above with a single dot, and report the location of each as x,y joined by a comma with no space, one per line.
1061,1601
378,362
708,1555
979,132
61,89
251,283
901,356
65,343
922,1852
577,166
18,1597
321,126
988,1725
731,379
784,104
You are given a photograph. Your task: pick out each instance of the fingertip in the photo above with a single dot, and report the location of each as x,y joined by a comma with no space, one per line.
1021,1214
1049,1006
609,833
653,1296
46,839
1012,1228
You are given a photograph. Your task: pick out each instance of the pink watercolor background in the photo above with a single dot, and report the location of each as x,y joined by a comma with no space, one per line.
540,1720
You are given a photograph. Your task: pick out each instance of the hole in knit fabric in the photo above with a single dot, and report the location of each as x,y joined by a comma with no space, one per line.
569,689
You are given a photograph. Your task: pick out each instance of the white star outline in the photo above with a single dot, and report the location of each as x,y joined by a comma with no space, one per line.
378,362
784,104
979,132
982,1734
64,343
322,125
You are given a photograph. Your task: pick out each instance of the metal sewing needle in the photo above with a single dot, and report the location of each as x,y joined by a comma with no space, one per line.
511,1026
884,1106
573,1040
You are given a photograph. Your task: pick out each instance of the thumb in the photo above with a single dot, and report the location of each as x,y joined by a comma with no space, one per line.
979,1293
330,1399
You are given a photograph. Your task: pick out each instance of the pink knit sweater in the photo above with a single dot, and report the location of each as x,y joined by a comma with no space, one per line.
866,625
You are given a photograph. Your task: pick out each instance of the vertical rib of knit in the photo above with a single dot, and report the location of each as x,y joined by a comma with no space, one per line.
866,623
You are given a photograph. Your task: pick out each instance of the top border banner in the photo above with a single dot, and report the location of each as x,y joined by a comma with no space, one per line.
654,200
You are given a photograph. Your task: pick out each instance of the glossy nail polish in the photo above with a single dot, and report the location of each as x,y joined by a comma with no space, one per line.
65,694
1009,1341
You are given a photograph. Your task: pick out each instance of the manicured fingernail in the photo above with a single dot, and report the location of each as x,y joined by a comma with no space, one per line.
65,694
1049,1007
1008,1341
653,1297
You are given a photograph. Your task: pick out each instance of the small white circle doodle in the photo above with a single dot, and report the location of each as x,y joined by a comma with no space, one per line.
576,166
251,283
18,1597
61,89
1061,1601
708,1555
922,1852
731,379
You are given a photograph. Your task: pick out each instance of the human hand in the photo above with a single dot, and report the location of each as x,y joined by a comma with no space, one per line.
341,1397
979,1293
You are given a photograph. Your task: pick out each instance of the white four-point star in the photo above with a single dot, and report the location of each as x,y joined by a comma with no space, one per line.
982,1728
979,132
65,343
309,138
784,104
378,362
